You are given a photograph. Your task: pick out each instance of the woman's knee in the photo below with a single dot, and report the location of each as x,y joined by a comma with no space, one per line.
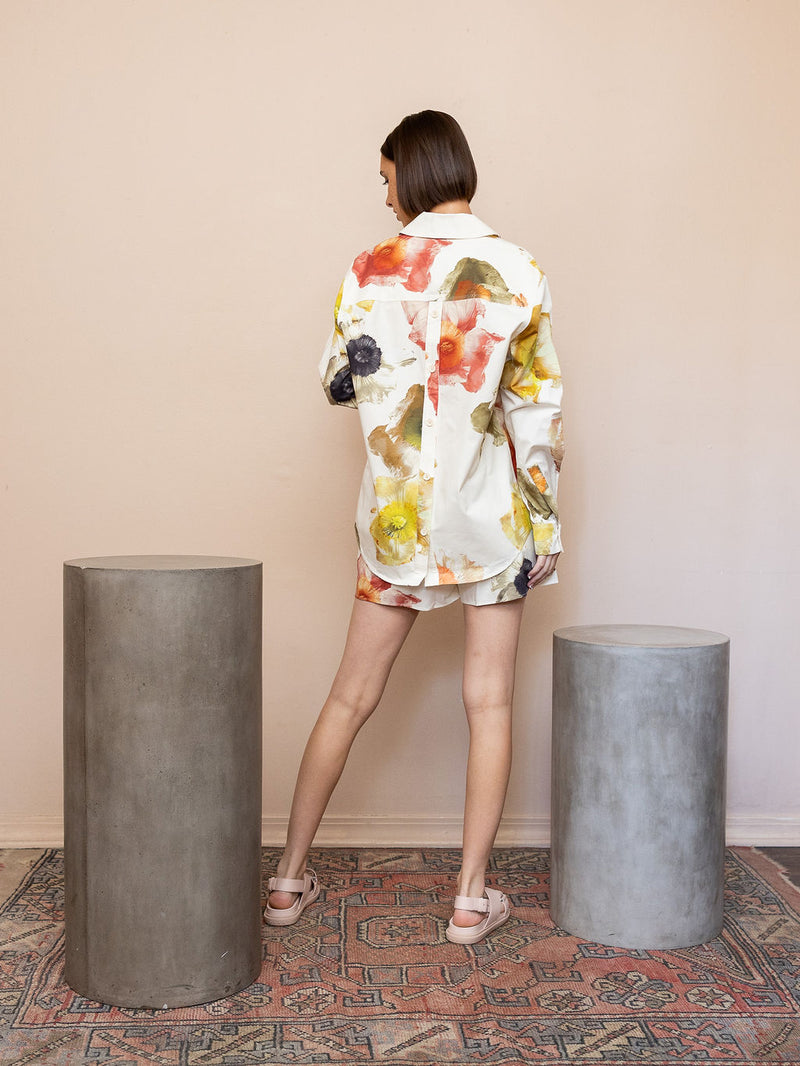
483,705
352,708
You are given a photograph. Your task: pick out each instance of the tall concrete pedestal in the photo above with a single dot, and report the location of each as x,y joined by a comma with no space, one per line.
638,811
162,776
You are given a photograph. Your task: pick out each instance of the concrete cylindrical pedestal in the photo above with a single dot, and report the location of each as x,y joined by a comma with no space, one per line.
638,812
162,778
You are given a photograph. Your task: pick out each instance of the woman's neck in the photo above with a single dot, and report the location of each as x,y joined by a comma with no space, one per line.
453,207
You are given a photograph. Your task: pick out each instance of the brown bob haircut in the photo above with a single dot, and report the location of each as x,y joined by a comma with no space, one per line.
433,161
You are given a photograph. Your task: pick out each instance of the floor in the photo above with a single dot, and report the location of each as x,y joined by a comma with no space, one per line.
789,859
14,864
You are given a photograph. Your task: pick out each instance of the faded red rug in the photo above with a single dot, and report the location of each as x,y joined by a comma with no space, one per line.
367,976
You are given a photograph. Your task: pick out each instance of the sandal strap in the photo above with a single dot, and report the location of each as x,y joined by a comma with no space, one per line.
287,884
471,903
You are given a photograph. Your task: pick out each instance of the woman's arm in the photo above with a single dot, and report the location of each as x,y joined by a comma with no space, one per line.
530,395
334,367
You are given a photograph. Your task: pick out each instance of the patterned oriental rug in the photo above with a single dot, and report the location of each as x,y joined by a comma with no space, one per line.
366,976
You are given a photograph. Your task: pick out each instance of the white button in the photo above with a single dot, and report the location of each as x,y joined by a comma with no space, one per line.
429,422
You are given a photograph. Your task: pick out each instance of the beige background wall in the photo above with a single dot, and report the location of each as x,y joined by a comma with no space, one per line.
184,183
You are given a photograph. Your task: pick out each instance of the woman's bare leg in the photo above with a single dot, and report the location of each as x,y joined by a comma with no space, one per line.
490,655
374,638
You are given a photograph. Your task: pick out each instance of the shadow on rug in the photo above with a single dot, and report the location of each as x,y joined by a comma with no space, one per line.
367,976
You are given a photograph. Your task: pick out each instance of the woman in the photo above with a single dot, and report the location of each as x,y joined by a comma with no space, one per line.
441,340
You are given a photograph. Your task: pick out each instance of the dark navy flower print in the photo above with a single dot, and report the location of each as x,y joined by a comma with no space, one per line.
342,386
521,580
364,355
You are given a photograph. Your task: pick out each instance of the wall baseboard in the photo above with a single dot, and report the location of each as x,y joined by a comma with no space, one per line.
769,831
32,831
774,830
421,831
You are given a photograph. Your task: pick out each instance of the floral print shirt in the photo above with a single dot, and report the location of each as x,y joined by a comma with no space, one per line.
441,340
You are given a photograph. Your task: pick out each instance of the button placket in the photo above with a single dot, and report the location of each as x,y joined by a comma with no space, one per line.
427,459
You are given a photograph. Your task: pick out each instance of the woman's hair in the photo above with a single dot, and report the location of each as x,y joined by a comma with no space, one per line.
433,161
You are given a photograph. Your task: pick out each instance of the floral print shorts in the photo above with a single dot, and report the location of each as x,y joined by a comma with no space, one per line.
510,584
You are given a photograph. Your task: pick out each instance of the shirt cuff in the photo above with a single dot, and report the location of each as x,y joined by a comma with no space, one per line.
546,537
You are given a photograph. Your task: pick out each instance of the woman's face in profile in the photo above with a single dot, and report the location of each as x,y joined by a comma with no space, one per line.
388,173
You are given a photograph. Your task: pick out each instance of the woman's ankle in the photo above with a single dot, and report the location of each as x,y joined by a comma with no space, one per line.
291,867
473,887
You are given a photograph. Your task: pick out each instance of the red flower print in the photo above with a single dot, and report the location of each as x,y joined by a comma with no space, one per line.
374,589
417,315
402,259
464,347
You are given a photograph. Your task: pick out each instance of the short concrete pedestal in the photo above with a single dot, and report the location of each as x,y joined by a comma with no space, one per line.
162,775
638,812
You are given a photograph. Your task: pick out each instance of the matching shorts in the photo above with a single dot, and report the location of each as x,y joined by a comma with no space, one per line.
510,584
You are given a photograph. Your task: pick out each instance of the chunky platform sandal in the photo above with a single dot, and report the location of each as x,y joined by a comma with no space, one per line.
309,888
496,907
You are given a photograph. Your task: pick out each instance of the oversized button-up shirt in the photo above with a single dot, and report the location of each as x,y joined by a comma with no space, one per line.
441,340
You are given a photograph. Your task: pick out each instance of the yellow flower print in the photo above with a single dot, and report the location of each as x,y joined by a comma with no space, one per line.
533,358
543,534
394,528
524,342
516,523
338,304
545,360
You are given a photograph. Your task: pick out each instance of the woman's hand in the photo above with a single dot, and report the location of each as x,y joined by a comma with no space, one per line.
544,566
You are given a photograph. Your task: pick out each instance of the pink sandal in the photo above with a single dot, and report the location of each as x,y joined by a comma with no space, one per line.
309,888
496,907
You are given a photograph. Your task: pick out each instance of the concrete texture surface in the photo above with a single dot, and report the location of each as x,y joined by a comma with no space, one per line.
639,756
162,760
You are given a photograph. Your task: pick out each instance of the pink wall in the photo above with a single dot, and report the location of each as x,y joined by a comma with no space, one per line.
183,185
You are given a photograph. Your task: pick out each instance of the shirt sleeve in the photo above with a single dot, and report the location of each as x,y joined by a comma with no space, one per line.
530,395
334,367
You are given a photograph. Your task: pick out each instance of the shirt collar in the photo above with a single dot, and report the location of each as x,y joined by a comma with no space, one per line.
447,226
